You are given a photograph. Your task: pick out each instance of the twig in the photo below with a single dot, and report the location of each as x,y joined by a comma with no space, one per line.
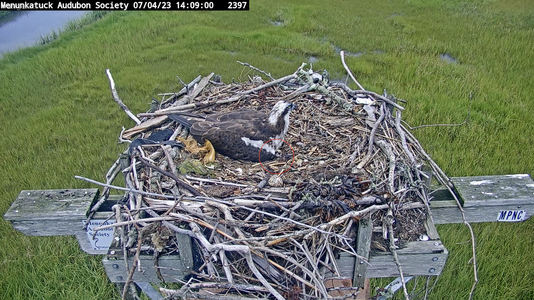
386,147
317,278
256,69
243,250
172,226
146,220
368,210
403,137
219,285
389,222
172,176
125,189
214,181
318,229
369,154
364,92
118,100
238,96
110,176
342,53
447,125
136,258
184,90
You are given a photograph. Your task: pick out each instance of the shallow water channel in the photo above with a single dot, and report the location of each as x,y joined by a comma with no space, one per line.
23,28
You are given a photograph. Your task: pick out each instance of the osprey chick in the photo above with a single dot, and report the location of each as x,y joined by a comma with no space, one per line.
241,134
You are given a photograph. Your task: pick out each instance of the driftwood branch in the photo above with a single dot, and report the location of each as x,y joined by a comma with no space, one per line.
118,99
342,54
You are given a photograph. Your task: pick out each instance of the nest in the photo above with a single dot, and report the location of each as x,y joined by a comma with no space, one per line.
273,229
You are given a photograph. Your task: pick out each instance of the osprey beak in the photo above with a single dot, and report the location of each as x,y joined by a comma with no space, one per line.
293,106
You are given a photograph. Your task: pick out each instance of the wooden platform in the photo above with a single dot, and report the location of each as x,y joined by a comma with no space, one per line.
505,198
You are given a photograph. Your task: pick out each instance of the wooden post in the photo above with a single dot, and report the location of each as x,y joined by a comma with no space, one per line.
363,247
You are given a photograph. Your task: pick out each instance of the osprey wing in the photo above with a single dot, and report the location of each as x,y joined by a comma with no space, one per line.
237,139
241,115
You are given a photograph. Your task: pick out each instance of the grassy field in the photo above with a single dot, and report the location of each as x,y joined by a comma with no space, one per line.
58,118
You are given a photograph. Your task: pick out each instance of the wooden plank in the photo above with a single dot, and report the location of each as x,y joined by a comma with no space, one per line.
340,287
185,249
430,228
51,212
484,198
497,190
169,266
363,247
417,258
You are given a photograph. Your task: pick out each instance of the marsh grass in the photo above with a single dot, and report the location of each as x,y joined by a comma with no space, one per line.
72,25
59,120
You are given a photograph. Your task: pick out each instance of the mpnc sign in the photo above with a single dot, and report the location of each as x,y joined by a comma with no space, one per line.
511,215
100,240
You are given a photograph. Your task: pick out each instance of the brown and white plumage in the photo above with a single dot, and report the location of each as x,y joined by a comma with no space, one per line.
240,134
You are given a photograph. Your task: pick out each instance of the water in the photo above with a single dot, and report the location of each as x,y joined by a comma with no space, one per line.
23,28
448,58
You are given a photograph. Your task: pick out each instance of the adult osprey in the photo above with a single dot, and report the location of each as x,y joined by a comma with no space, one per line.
241,134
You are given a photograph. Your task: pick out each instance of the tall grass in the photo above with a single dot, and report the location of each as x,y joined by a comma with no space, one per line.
72,25
59,120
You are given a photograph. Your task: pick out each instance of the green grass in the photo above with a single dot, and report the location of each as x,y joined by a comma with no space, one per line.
59,119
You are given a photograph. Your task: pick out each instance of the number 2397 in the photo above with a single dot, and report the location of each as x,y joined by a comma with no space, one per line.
237,5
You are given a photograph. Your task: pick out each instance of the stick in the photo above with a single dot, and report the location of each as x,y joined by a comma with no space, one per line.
177,109
256,69
125,189
214,181
136,259
342,53
318,229
110,176
220,285
172,176
370,93
184,90
368,210
118,100
386,147
403,137
201,85
371,139
317,278
145,220
172,226
389,221
243,250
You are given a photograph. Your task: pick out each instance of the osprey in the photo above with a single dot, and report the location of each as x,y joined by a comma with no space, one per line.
241,134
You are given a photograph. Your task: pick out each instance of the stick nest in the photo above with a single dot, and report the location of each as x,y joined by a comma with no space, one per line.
275,229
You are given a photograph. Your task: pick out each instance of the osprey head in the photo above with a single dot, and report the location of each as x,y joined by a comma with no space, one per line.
279,120
281,111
